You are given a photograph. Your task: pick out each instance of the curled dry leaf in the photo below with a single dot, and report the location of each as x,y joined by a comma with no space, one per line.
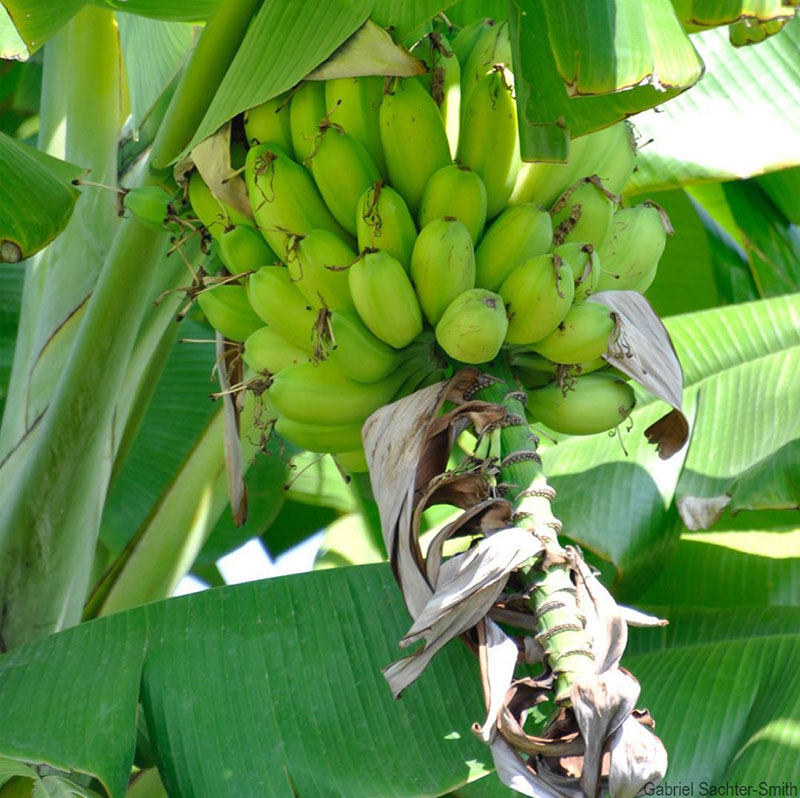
643,350
638,758
212,157
369,51
498,655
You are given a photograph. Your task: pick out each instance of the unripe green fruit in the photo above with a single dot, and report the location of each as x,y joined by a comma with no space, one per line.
277,301
583,335
228,310
442,265
270,122
353,462
466,38
353,103
538,295
214,215
357,352
443,81
492,46
305,113
384,222
473,326
343,171
630,253
266,350
320,437
317,264
583,214
585,265
242,248
589,404
455,191
150,205
385,298
414,140
519,233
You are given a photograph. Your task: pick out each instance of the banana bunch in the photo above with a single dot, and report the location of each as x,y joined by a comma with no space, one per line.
396,233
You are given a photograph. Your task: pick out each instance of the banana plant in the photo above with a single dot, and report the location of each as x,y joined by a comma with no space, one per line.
119,475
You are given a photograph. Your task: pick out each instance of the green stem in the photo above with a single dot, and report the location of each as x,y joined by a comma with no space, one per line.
560,627
212,56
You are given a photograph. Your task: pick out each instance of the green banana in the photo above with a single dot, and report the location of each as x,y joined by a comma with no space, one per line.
492,47
519,233
544,183
587,405
442,265
584,334
357,352
215,215
228,310
320,437
306,110
413,137
270,122
616,168
385,298
151,205
630,253
489,143
538,294
343,171
465,39
583,213
443,81
354,462
455,191
319,393
353,103
318,264
277,301
585,265
266,350
473,326
384,222
284,198
242,248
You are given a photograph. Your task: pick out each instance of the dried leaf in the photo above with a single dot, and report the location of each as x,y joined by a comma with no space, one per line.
701,513
498,655
212,157
636,618
514,773
638,757
369,51
234,460
643,350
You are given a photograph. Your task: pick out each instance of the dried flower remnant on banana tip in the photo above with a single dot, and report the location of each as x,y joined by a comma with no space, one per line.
407,446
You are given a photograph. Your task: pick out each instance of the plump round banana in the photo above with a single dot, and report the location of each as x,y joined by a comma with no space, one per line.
306,111
584,334
270,122
149,204
267,351
492,47
354,462
583,213
320,437
584,406
473,326
585,265
465,39
216,216
455,191
228,310
442,265
242,248
489,143
538,295
357,352
384,222
602,152
519,233
413,137
319,393
343,171
385,299
354,103
317,264
284,198
277,301
443,81
630,253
